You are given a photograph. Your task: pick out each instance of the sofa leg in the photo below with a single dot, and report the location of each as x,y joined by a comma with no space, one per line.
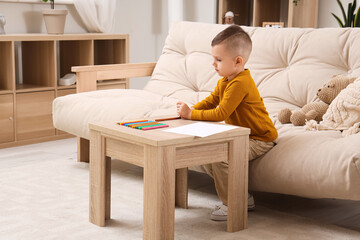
83,150
181,188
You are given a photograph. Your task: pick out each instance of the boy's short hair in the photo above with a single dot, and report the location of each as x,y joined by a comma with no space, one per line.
236,40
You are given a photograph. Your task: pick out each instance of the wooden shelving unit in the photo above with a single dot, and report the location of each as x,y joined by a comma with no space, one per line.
255,12
30,66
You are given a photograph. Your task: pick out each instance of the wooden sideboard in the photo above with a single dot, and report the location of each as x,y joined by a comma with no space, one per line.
255,12
30,66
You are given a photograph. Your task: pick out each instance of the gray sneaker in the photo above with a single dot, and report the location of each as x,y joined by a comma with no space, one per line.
251,202
220,211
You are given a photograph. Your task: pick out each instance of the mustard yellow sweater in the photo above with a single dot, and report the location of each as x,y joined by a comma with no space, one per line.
237,102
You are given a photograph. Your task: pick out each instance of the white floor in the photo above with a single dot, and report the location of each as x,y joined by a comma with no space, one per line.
44,195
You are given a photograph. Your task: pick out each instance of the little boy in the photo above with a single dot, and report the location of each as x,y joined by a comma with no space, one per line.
235,100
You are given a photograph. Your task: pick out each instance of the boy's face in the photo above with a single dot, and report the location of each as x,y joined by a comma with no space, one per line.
224,63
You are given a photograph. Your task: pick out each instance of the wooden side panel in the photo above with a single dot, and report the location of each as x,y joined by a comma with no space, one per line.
34,115
6,118
129,152
181,188
305,14
111,86
199,155
6,66
86,81
83,150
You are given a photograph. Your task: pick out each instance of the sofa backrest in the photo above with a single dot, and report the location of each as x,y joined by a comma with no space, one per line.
288,65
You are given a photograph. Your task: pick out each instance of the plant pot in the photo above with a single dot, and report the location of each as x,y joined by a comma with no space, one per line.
55,20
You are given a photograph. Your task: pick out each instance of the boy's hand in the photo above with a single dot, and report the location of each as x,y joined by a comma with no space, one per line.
183,110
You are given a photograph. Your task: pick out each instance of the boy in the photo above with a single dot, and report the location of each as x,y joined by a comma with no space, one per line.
235,100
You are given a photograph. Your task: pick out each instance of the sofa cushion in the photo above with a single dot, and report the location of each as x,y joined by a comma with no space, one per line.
74,112
315,164
288,65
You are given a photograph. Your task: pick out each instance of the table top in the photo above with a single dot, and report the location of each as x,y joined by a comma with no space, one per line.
158,137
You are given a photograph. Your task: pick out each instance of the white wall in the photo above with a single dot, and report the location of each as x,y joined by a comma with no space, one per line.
147,24
27,18
326,7
200,10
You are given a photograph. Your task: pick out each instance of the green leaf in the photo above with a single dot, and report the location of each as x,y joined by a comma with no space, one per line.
350,16
354,5
342,10
357,18
338,20
353,13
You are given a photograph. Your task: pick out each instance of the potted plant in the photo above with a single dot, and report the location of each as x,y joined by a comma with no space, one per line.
351,19
54,18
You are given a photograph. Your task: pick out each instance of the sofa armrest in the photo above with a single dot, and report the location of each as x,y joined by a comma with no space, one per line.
87,76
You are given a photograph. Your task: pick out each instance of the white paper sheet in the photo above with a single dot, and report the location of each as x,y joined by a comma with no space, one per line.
201,129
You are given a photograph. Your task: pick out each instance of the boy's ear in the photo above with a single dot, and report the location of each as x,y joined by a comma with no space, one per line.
239,60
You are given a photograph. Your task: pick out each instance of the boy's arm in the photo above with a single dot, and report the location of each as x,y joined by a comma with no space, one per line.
209,102
233,96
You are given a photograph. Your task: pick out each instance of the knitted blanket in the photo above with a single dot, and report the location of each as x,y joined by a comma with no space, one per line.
343,112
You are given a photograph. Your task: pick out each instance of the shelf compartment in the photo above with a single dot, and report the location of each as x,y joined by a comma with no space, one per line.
241,8
270,11
7,70
7,118
74,53
31,64
109,51
38,64
34,115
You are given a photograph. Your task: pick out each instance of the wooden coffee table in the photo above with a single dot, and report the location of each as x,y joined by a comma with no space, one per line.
165,158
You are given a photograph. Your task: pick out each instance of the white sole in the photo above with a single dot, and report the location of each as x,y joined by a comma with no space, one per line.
224,218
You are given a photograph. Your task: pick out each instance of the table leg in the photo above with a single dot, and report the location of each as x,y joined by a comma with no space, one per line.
98,199
238,184
181,188
159,193
83,149
108,188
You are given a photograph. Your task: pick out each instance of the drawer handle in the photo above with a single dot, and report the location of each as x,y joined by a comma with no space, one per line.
10,118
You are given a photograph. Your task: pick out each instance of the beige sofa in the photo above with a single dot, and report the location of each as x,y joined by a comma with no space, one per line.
288,66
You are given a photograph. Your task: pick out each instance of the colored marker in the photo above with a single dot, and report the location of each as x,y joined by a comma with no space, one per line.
143,124
123,123
159,126
135,123
166,119
153,125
